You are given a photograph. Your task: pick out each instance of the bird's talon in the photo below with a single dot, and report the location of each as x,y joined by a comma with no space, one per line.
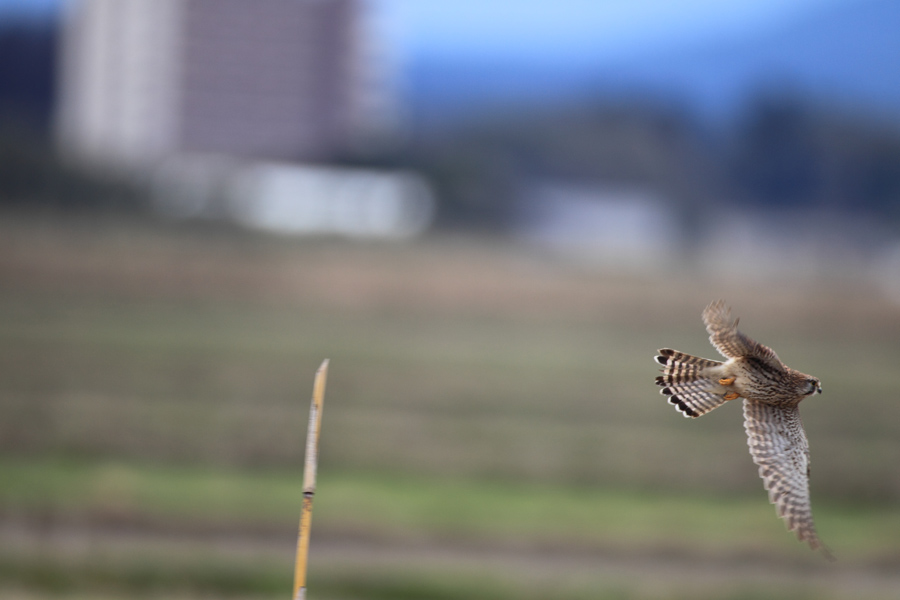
731,395
726,381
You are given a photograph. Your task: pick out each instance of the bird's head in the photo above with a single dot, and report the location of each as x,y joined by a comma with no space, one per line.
812,386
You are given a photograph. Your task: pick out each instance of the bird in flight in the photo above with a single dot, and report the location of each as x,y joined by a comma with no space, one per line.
771,391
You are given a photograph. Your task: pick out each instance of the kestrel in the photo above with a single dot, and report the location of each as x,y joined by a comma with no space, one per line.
771,391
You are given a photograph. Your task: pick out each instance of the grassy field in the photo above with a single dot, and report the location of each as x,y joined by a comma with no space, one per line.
110,526
491,428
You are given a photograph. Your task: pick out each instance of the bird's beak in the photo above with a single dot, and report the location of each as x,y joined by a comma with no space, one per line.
819,389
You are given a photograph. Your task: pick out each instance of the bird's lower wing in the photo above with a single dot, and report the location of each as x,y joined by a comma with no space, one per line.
778,445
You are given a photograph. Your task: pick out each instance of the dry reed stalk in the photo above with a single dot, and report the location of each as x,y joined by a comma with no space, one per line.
309,480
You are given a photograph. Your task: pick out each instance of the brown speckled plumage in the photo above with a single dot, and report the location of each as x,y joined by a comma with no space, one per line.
771,392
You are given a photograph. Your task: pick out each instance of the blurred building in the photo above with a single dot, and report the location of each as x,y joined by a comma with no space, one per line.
295,199
621,227
142,80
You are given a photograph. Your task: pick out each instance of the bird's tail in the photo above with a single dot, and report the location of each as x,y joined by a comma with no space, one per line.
690,382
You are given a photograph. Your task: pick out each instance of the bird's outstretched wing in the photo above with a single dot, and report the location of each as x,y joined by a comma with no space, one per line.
778,445
731,343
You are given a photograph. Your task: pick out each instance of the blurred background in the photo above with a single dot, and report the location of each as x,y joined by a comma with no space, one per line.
488,215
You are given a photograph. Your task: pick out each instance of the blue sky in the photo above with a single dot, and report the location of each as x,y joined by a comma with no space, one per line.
39,7
565,29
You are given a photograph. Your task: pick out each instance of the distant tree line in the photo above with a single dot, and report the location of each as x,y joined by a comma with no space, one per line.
787,154
782,153
32,177
28,73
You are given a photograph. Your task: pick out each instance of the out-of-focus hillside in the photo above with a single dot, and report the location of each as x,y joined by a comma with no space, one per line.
489,336
519,385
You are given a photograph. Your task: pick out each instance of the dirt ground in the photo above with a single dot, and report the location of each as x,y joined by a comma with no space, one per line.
658,573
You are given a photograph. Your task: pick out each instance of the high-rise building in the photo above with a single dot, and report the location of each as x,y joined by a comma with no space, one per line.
142,80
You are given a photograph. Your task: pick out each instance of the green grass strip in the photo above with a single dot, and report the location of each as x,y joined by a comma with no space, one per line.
404,505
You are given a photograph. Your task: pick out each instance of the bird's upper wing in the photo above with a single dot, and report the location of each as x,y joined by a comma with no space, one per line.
731,343
778,445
